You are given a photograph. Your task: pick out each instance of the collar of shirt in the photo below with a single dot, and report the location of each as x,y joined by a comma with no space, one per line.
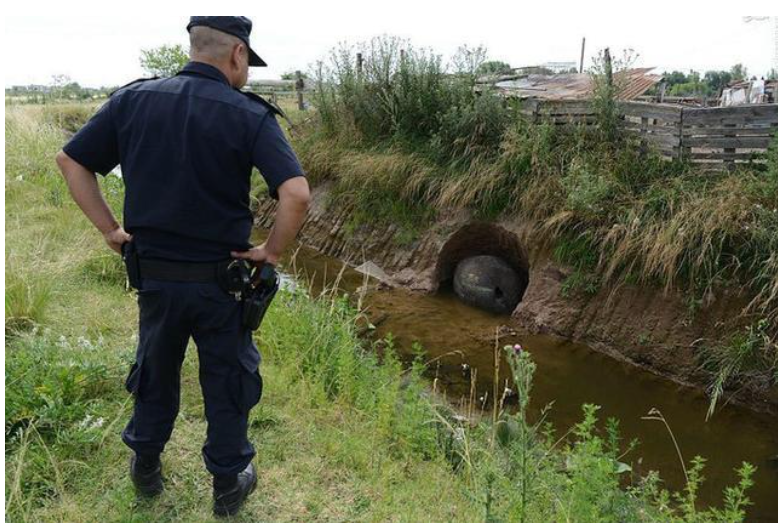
203,69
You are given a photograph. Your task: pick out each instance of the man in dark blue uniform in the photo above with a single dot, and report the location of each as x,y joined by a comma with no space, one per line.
187,146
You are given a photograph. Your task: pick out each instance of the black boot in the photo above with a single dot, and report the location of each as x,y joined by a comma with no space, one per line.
146,474
229,492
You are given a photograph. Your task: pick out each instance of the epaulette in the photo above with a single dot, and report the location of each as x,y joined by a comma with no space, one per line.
270,105
133,83
273,108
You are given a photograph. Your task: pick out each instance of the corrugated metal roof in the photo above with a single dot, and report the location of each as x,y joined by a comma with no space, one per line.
572,86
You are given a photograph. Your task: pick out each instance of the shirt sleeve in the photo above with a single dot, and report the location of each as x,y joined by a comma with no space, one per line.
95,145
273,156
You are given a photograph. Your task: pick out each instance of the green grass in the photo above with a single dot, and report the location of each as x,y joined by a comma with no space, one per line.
344,432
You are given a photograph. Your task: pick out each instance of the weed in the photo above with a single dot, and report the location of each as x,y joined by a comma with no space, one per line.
749,355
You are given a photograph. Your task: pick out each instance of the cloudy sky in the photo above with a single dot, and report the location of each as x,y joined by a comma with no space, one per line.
97,49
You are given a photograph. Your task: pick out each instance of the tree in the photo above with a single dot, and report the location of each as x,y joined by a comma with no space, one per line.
164,61
292,75
467,60
717,80
494,67
674,78
739,72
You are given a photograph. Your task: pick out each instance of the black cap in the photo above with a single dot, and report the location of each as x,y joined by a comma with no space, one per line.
238,26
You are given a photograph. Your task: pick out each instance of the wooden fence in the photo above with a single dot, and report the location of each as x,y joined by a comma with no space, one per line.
720,136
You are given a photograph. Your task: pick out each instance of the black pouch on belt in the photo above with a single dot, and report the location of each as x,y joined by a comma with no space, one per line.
257,300
131,263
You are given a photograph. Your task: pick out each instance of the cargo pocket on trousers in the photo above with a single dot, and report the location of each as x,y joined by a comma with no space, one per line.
132,384
248,390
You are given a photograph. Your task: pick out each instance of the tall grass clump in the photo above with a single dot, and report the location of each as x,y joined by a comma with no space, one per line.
27,298
30,144
318,337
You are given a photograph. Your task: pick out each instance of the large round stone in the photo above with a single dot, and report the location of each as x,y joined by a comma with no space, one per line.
488,282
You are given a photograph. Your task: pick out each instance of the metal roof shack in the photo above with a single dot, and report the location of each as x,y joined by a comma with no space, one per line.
570,86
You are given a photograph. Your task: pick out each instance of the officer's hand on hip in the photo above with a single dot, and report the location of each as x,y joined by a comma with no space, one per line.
257,255
116,238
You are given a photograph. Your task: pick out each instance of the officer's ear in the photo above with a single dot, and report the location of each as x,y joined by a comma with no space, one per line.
240,54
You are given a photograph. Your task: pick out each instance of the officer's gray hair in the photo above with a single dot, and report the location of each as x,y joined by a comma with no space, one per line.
205,42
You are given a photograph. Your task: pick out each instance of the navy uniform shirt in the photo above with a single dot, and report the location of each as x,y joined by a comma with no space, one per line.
186,146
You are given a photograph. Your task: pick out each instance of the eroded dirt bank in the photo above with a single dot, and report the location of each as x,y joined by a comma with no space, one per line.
648,327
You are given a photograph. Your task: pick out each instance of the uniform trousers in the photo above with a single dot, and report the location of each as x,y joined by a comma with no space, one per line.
171,313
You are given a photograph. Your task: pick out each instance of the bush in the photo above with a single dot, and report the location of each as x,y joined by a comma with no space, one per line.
400,94
70,118
471,131
55,385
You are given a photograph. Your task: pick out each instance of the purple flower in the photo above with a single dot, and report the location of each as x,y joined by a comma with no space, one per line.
517,348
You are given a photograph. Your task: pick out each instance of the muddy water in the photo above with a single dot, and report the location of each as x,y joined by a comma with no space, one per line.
570,374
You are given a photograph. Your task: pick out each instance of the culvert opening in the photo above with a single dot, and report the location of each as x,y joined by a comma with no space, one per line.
486,266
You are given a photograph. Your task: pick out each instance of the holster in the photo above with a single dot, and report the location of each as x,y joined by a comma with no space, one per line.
131,264
257,300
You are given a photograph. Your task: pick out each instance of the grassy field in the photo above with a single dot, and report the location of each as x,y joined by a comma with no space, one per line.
341,434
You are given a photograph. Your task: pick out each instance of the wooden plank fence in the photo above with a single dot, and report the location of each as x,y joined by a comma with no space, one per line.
720,136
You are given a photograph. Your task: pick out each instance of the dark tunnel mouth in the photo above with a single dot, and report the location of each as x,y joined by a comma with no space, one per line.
477,239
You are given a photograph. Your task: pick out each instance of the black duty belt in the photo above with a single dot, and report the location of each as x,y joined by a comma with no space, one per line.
186,272
255,289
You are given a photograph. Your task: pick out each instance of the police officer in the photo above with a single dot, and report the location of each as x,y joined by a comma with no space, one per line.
186,146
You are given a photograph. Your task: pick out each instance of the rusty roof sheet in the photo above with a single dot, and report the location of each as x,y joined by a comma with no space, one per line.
575,86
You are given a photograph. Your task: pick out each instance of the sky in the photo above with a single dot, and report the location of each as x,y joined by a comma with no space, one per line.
102,49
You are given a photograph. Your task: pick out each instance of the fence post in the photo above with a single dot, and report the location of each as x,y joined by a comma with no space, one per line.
299,84
608,68
682,152
729,163
359,64
583,48
535,111
662,90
